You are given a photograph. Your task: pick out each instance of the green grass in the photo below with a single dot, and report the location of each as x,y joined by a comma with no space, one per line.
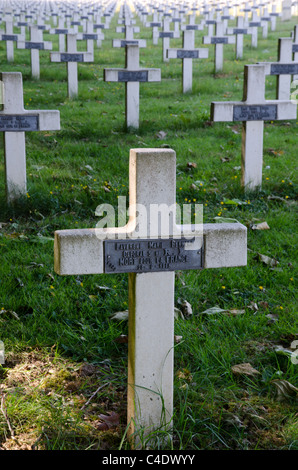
53,327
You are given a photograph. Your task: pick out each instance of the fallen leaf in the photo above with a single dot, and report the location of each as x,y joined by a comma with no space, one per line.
120,315
213,310
191,165
177,339
161,135
108,421
275,153
185,307
244,369
266,260
261,226
225,159
284,389
234,312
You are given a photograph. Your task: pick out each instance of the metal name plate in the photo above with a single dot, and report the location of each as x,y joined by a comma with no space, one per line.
255,113
127,42
187,54
34,45
210,21
9,37
192,27
89,36
99,26
239,31
19,123
61,31
22,23
155,25
284,69
133,76
71,57
140,256
163,34
219,40
295,48
255,24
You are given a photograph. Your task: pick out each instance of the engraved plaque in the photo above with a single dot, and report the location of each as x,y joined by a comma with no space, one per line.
61,31
215,40
9,37
19,123
164,34
127,42
225,17
139,256
284,69
133,76
98,26
22,23
89,36
75,23
187,54
255,113
295,48
239,31
210,21
255,24
71,57
34,45
192,27
157,25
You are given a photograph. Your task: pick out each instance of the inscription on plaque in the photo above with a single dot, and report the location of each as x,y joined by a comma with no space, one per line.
255,113
153,25
187,54
285,69
61,31
210,22
163,34
255,24
69,57
34,45
295,48
219,40
20,123
133,76
89,36
239,31
127,43
9,37
124,256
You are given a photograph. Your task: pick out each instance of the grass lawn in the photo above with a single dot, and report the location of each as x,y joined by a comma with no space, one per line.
63,383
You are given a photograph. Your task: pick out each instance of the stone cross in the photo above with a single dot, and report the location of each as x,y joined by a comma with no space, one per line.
166,34
72,57
239,31
254,24
14,122
187,54
150,252
61,31
284,69
286,10
218,40
273,15
154,24
132,75
35,44
295,48
9,37
252,112
129,31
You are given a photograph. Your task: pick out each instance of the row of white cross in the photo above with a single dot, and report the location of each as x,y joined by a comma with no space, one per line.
148,252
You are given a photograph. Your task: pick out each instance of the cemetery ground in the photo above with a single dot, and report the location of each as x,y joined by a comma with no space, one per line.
63,383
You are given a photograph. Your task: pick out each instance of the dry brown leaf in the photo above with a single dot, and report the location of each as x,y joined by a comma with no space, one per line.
266,260
284,389
191,165
244,369
108,421
261,226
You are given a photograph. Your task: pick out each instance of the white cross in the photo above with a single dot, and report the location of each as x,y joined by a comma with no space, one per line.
239,31
150,252
218,40
166,35
252,112
284,69
132,75
72,57
10,38
295,48
187,54
129,31
35,44
14,122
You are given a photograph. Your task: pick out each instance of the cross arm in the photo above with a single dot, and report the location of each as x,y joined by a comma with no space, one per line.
139,75
266,111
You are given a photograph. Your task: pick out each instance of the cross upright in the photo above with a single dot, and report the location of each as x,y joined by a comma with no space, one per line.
295,48
14,122
72,57
9,37
284,69
132,75
35,45
239,31
150,247
61,31
129,31
218,40
254,24
252,112
187,54
166,34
